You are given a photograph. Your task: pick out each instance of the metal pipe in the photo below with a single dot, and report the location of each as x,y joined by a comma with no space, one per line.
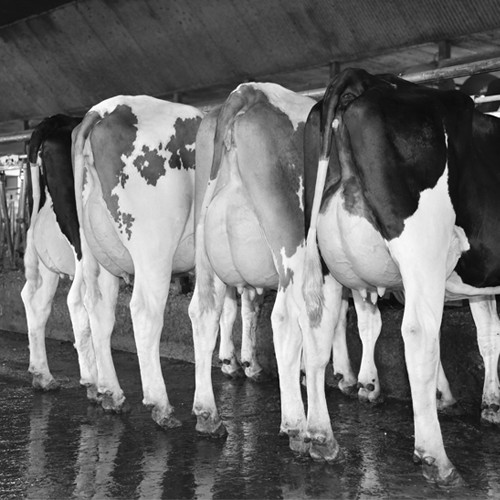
457,71
435,75
17,137
485,98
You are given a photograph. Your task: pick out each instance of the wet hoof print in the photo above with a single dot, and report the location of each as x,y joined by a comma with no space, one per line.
431,474
491,414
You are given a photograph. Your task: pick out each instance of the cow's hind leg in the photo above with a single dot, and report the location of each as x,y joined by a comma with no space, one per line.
205,310
101,291
421,253
445,399
37,295
369,326
342,369
230,365
250,305
287,339
83,336
318,341
484,312
147,306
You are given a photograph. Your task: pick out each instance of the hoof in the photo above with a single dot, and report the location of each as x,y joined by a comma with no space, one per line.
297,441
92,393
164,419
348,389
41,383
169,422
110,403
260,376
491,414
450,480
232,371
299,445
451,410
372,397
209,426
326,450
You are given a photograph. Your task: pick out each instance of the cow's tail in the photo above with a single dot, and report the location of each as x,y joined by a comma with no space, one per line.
32,180
82,161
33,186
240,100
80,154
312,288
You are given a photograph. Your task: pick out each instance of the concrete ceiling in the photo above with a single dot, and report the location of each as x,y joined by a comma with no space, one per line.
60,56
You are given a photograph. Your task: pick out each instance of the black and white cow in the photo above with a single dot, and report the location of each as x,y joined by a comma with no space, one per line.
405,197
250,235
53,249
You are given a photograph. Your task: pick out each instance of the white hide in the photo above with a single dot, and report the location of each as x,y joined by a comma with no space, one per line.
159,241
51,245
291,104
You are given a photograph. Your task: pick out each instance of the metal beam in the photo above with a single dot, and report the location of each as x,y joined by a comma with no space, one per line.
17,137
457,71
435,75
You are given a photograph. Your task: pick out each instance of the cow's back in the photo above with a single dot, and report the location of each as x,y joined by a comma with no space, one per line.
143,157
255,219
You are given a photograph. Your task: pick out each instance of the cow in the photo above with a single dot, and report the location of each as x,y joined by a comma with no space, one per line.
53,248
401,193
250,233
134,178
134,159
250,236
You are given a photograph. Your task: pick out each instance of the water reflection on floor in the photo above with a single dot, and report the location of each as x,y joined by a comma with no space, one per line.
59,446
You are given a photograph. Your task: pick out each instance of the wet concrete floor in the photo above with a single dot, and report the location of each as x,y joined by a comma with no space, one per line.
58,445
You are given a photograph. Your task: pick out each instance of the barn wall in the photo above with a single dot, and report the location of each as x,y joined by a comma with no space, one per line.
460,355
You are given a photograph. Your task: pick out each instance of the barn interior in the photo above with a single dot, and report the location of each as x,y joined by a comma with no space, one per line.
62,56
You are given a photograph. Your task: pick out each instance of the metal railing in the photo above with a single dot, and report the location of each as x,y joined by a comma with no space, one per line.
14,221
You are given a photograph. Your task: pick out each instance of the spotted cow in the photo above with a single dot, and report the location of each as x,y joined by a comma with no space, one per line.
134,184
250,235
401,191
54,248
